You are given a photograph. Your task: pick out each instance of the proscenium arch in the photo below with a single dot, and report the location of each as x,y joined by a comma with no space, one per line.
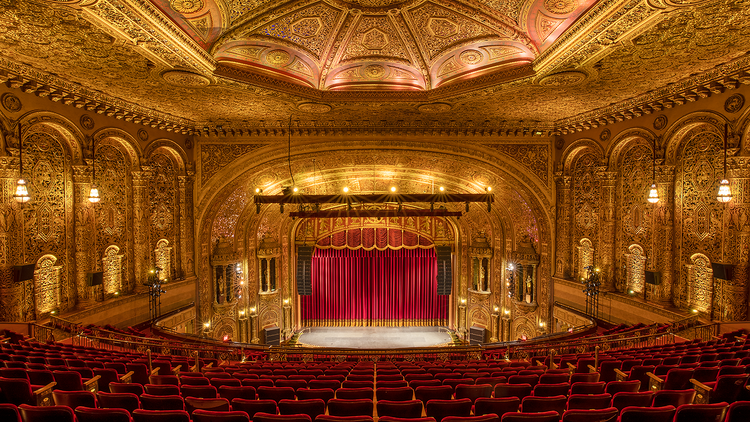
526,189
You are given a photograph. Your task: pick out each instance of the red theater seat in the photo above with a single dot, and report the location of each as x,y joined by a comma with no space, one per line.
598,415
160,416
395,419
647,414
551,416
439,409
218,405
151,402
127,401
310,407
342,407
514,390
674,398
701,412
589,401
200,415
267,417
498,406
46,413
251,407
533,404
403,409
73,399
329,418
9,413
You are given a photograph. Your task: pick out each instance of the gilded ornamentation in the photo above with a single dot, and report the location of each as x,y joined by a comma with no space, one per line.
185,79
734,103
434,108
567,78
214,157
142,135
660,122
560,7
534,157
471,57
604,135
314,108
186,6
87,122
374,71
278,58
11,102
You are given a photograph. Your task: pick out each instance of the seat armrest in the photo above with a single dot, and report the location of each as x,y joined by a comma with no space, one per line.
591,369
43,395
210,364
553,365
92,384
621,376
654,383
127,378
571,366
702,392
176,369
154,371
194,368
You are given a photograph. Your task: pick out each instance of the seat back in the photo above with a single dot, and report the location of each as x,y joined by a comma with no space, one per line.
46,413
142,415
251,407
310,407
152,402
513,390
543,404
395,394
122,387
200,391
589,401
356,407
275,393
127,401
90,414
550,416
647,414
678,379
614,387
473,392
9,413
728,388
548,390
597,415
625,399
426,393
215,404
68,380
17,391
498,406
701,412
674,398
439,409
404,409
73,399
266,417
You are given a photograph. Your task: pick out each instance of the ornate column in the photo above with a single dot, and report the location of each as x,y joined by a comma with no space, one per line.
608,180
563,258
85,228
140,250
10,223
187,232
663,243
495,333
738,237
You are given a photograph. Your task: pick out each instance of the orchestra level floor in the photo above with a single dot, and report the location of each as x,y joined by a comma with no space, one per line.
374,337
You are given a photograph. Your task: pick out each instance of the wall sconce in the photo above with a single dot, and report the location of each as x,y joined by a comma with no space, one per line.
463,301
22,193
506,311
252,310
242,312
497,309
653,193
94,192
725,193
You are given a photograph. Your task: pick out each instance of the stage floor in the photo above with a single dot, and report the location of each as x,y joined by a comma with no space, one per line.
374,337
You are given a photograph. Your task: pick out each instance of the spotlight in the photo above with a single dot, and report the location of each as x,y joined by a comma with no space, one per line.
346,189
488,189
393,189
442,188
258,190
295,189
206,324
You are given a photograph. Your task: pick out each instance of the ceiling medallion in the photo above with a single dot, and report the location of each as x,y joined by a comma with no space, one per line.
434,108
374,71
660,122
314,108
471,57
278,58
734,103
87,122
560,7
185,79
11,102
567,78
186,6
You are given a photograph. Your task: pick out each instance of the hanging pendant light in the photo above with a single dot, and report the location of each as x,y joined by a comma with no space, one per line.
94,192
22,192
653,193
725,193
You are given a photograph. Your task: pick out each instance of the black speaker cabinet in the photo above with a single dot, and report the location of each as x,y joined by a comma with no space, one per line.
94,279
23,272
445,270
304,270
723,271
653,277
476,335
272,336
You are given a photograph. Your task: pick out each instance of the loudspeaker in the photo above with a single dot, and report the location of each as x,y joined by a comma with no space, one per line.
653,277
476,335
445,270
722,271
94,279
23,272
304,270
272,336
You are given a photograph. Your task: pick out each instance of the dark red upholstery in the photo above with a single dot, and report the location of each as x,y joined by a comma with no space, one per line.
200,415
674,398
46,413
548,390
343,407
127,401
598,415
515,390
217,404
267,417
9,413
589,401
714,412
403,409
73,399
498,406
439,409
551,416
532,404
121,387
141,415
89,414
152,402
647,414
251,407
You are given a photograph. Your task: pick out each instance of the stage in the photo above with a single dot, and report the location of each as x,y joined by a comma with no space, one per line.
374,337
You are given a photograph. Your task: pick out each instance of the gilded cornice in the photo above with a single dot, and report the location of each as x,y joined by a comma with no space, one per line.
144,25
42,84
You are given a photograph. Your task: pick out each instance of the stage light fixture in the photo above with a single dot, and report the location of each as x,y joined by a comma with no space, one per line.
393,189
295,189
258,190
442,188
488,189
346,189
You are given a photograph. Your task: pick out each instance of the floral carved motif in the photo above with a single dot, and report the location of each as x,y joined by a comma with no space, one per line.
215,157
533,157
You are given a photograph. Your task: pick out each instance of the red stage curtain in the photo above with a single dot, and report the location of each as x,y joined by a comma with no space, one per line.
374,288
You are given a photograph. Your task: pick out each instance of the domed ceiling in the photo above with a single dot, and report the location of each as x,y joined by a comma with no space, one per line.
375,44
479,67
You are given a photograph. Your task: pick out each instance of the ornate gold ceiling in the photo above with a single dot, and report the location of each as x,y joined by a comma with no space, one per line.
247,64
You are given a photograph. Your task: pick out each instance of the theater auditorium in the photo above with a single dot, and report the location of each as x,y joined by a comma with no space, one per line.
374,210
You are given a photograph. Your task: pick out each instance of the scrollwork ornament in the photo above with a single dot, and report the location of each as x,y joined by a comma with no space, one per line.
87,122
660,122
734,103
11,102
605,135
142,135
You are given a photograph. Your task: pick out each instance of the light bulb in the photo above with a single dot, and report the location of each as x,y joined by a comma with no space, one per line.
393,189
22,193
725,193
346,189
442,188
94,194
653,194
